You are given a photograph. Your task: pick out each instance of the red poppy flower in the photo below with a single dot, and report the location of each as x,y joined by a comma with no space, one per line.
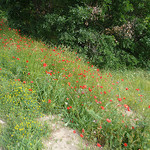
126,88
68,108
74,131
98,145
49,101
27,61
30,89
125,144
44,65
137,89
126,106
24,82
95,97
149,106
119,99
102,107
90,89
81,135
82,130
108,120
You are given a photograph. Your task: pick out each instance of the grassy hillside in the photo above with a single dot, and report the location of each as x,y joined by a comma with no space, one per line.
108,107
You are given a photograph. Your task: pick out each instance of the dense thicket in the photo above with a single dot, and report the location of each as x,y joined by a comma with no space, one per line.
111,33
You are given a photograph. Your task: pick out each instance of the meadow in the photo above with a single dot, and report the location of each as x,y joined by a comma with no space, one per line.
111,108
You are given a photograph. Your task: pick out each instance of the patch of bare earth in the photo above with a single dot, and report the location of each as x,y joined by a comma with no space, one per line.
2,123
62,137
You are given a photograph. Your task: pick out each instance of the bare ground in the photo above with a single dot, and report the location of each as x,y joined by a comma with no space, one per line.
63,138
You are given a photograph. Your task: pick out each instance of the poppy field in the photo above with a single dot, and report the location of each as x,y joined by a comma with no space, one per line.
110,108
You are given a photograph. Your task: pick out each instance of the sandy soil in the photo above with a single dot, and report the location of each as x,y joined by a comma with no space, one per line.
63,138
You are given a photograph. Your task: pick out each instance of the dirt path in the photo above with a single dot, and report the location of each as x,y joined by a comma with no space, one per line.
63,138
2,123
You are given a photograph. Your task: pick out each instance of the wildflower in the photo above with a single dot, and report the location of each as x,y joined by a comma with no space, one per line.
44,65
126,88
95,97
137,89
119,99
102,107
30,89
98,145
68,108
0,68
149,106
74,131
31,81
82,130
24,82
85,86
125,144
18,58
108,120
81,135
27,61
49,101
90,89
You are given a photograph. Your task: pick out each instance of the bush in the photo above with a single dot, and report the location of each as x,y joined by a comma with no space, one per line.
84,26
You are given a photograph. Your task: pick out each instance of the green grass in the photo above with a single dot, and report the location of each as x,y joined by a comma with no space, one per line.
37,79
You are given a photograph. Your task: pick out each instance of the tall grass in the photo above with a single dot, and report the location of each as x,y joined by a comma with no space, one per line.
108,107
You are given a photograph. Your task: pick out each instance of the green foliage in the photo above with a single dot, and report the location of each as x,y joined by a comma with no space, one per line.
19,108
112,34
77,30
